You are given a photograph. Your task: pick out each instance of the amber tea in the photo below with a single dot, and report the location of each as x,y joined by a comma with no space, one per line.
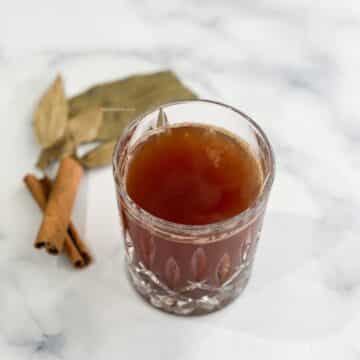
193,175
192,198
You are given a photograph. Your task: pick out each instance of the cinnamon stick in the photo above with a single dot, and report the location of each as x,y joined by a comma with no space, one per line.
57,213
79,245
76,249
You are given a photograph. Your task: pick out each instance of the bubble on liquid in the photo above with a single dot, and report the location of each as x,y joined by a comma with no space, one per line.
214,155
210,130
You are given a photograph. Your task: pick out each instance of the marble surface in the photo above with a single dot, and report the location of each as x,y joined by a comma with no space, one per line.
291,65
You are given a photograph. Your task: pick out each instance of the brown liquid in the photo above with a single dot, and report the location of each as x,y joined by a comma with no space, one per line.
193,175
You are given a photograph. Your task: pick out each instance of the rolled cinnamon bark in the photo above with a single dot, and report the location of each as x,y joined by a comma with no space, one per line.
40,190
79,244
40,193
75,238
57,213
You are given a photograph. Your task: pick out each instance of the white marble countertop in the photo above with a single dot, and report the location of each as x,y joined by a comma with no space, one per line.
291,65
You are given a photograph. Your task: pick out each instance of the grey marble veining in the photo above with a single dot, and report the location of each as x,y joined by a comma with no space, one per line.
291,65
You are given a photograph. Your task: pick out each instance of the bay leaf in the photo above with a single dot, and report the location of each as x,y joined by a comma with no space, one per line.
113,124
134,95
50,116
64,147
100,156
85,126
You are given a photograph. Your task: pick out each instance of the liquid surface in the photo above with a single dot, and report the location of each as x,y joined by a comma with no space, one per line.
193,175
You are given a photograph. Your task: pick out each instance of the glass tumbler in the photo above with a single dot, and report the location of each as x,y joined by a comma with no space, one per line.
191,269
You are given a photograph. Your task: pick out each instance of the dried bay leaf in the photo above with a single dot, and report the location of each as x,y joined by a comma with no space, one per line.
100,156
114,122
100,113
51,115
80,129
138,93
64,147
85,126
112,93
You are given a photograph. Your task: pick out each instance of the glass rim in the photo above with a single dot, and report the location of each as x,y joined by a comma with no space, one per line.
245,217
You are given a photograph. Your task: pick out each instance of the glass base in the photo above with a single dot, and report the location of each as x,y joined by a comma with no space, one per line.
195,299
